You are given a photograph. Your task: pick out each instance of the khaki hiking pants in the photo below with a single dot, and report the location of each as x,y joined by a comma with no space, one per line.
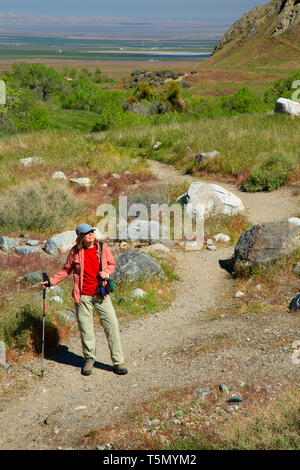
107,315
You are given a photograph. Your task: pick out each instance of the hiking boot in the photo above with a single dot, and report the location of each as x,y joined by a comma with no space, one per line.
88,366
119,369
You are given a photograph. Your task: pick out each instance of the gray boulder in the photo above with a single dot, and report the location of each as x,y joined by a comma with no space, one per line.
135,264
60,242
6,243
266,243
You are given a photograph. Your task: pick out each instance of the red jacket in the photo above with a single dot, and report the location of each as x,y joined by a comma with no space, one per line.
75,264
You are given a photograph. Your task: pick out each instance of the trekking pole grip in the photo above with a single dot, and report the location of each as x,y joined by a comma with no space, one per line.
45,279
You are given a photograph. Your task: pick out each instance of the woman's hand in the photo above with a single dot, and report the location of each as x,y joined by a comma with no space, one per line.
45,284
103,275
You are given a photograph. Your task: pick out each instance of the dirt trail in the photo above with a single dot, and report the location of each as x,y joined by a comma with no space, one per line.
259,207
155,349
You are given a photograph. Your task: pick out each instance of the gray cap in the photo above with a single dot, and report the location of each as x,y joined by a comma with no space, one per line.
83,229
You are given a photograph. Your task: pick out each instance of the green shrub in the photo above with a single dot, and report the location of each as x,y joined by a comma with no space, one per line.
244,101
282,88
37,208
269,175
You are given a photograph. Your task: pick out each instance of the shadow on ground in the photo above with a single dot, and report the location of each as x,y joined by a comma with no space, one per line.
62,355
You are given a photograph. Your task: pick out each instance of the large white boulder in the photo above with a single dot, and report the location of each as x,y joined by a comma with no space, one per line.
211,199
284,105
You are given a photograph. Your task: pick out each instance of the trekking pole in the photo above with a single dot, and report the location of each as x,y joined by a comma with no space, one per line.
45,279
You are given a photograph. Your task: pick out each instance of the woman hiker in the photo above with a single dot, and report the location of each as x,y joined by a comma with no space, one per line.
84,261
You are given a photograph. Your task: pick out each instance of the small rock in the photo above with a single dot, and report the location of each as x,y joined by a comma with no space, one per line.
296,268
104,185
209,242
116,176
235,399
138,294
212,248
80,407
31,161
32,242
202,393
221,237
66,315
224,388
2,353
156,145
52,419
156,248
294,221
239,294
59,175
86,182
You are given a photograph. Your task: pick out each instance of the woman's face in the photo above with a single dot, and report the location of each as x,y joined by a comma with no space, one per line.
89,239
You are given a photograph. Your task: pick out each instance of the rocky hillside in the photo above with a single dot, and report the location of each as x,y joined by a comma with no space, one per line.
268,32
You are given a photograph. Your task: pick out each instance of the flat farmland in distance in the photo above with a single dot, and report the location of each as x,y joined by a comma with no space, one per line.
115,69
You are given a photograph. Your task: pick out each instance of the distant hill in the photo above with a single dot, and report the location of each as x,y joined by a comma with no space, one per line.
265,35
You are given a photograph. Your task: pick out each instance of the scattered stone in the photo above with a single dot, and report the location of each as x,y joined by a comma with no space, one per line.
127,173
265,243
162,241
209,241
235,399
138,294
212,248
27,250
6,243
295,304
223,388
104,185
116,176
200,157
80,407
135,264
156,248
52,419
296,268
239,294
31,161
202,393
294,221
2,353
32,242
33,277
221,237
156,145
24,235
59,175
61,242
86,182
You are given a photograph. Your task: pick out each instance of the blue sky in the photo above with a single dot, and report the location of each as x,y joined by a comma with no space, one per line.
206,10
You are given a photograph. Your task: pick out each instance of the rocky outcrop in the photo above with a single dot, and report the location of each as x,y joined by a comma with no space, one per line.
278,16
